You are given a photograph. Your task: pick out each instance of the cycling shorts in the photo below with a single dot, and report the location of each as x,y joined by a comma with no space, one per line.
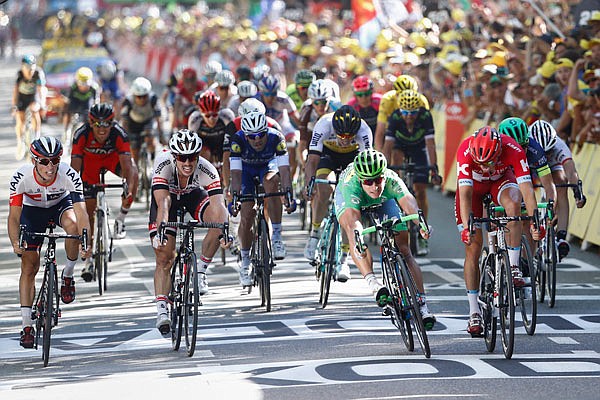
36,219
331,161
249,172
195,202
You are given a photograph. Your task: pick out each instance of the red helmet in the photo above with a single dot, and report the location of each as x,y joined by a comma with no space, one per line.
362,83
485,145
208,102
189,73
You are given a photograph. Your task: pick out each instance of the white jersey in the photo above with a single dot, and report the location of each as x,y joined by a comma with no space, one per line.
26,190
558,155
325,136
165,176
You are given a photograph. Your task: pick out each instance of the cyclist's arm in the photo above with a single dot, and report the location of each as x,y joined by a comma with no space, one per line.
549,188
408,204
236,180
15,96
83,220
311,166
14,218
388,146
465,194
163,204
430,145
380,135
528,196
129,171
76,163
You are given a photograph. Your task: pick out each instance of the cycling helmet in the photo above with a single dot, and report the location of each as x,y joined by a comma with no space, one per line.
101,112
362,83
251,105
84,75
486,145
405,82
269,84
319,71
208,102
260,71
178,73
516,128
212,67
409,100
319,90
244,73
304,78
346,120
254,122
141,86
107,70
224,78
189,73
28,59
544,133
46,146
247,89
185,142
369,164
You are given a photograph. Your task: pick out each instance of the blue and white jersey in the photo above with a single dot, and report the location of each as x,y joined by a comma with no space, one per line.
242,153
536,158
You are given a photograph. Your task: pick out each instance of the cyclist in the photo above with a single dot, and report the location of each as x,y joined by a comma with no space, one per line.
564,171
410,133
367,181
298,91
211,69
490,163
168,95
245,90
184,99
224,86
50,190
209,122
317,105
111,83
257,150
101,144
365,101
183,179
337,138
28,93
140,113
82,94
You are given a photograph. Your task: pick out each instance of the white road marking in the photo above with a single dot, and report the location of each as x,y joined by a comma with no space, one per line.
561,366
563,340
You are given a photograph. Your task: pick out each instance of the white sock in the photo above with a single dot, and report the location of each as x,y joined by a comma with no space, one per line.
204,263
245,254
473,295
161,304
514,253
69,268
276,231
26,316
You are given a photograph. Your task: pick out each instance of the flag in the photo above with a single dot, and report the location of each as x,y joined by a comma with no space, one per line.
366,26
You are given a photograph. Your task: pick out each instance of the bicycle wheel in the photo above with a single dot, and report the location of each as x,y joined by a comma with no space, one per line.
507,305
175,305
551,255
99,257
540,281
413,233
191,301
486,297
527,293
416,319
398,315
332,260
265,261
48,311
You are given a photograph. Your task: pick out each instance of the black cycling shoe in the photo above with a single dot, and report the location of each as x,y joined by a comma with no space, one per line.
87,274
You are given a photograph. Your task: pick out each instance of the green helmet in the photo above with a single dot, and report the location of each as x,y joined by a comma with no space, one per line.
304,78
516,128
369,164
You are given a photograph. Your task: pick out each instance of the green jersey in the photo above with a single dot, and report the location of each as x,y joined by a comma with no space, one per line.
294,95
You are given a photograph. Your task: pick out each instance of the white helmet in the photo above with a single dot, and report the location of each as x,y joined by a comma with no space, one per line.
320,90
185,142
107,70
247,89
543,133
212,67
254,122
141,86
224,78
179,70
260,71
251,105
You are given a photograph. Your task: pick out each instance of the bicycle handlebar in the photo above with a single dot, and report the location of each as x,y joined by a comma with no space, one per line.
83,238
313,181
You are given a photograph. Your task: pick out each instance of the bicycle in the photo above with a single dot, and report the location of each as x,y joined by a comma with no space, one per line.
261,254
546,257
329,247
46,309
103,238
146,169
184,297
496,290
402,304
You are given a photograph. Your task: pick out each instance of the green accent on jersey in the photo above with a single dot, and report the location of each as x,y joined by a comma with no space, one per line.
294,95
543,170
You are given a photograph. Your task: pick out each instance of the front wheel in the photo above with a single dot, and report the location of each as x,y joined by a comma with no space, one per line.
399,312
265,261
417,319
507,305
48,311
527,294
175,305
100,256
330,262
486,298
551,257
191,301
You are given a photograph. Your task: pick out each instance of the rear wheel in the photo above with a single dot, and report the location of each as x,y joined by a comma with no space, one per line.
175,305
47,312
191,301
100,256
330,262
507,306
527,293
551,256
399,314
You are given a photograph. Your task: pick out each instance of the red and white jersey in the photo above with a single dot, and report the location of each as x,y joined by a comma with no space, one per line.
26,190
512,156
165,176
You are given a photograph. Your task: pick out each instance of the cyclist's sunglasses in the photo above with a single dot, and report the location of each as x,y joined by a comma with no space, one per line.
47,161
345,136
409,112
269,94
374,181
102,124
211,115
319,102
363,94
256,136
187,157
487,164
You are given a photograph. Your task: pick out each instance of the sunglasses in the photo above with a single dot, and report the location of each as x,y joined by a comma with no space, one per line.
211,115
319,102
363,94
374,181
256,136
345,135
102,124
487,164
47,161
269,94
409,112
187,157
142,97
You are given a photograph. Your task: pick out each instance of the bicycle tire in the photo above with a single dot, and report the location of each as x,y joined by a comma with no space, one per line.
528,303
191,302
266,264
413,232
507,306
551,271
175,305
99,256
48,311
331,260
416,318
398,315
540,282
486,296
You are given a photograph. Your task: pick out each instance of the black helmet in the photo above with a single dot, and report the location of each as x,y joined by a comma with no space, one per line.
101,112
46,146
346,120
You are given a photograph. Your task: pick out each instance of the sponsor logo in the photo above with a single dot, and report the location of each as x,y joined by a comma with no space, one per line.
462,168
207,171
162,165
15,181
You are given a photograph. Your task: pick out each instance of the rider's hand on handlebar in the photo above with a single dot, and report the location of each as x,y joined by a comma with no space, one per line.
425,234
465,236
537,234
18,249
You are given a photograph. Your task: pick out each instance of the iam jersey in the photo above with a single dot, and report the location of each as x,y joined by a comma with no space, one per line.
26,190
422,129
512,156
324,136
242,151
165,176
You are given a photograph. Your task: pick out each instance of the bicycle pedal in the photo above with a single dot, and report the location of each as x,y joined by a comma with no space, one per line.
386,312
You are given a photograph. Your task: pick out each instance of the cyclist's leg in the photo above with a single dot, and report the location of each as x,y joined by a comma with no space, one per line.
421,178
36,119
19,124
507,194
246,214
68,221
114,166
